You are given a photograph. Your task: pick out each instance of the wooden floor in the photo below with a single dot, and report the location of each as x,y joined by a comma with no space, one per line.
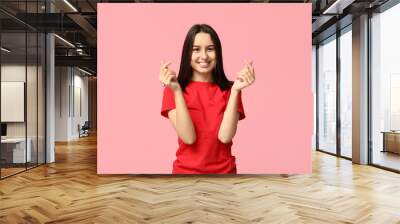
387,159
8,171
70,191
5,172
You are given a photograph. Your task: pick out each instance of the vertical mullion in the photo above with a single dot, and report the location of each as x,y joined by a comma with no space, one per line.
317,96
60,88
45,88
369,90
338,73
73,92
69,92
26,86
37,89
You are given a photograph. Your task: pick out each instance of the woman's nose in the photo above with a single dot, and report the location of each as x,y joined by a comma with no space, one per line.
204,55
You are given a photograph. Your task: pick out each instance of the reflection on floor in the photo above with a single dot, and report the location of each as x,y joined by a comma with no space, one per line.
71,191
346,152
13,169
9,171
386,159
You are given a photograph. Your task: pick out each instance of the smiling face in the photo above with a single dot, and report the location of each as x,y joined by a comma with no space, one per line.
203,55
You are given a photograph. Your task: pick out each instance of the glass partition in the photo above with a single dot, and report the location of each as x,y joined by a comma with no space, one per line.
327,95
14,153
32,95
41,111
22,77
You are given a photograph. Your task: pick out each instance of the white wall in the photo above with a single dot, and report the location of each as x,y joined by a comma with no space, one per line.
81,102
15,72
62,81
12,73
71,93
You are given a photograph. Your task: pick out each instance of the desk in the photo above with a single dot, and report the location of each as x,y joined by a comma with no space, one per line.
391,141
13,150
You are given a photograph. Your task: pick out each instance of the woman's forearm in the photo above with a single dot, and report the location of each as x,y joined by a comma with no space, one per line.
230,119
184,125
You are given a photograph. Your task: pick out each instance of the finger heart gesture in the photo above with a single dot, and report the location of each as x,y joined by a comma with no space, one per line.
167,76
245,78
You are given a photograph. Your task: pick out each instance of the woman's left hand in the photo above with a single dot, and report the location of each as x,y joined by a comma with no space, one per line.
245,78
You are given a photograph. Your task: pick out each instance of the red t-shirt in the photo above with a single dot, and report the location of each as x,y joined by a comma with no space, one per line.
206,104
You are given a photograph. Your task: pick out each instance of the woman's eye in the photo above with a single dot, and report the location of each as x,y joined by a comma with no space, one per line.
195,49
210,49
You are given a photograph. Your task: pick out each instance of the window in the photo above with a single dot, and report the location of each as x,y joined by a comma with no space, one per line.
327,95
346,93
385,88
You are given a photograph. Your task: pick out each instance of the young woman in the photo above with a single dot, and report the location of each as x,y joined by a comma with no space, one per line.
203,106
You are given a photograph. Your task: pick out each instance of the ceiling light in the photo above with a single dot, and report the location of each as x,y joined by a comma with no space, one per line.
84,71
64,40
70,5
5,50
331,7
337,7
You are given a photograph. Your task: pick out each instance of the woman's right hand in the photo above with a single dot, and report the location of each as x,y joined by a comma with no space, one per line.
168,76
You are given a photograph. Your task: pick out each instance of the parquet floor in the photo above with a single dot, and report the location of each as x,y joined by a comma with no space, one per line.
70,191
9,171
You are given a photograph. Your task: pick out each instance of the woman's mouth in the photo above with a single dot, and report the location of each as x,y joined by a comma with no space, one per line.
204,64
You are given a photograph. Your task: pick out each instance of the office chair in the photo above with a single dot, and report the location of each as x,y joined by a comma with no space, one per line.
84,130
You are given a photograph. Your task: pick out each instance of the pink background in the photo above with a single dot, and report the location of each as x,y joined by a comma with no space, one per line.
275,137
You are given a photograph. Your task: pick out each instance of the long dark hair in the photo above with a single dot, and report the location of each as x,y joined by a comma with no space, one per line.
186,70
